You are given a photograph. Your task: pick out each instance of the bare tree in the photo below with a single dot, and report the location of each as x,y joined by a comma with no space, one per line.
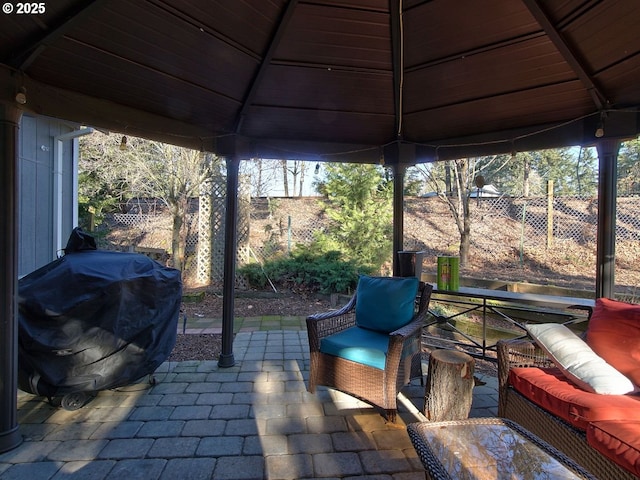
296,169
259,169
460,208
266,175
285,177
303,169
155,170
526,175
451,180
262,175
174,175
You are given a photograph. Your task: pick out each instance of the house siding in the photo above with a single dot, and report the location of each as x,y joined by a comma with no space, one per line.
36,150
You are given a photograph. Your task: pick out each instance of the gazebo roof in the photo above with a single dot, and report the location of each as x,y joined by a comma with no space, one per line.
333,79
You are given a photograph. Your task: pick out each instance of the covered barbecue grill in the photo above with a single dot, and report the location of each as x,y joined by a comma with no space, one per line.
94,320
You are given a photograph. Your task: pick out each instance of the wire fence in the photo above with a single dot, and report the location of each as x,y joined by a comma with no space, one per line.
502,224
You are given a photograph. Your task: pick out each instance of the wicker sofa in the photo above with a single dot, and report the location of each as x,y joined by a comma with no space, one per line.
600,432
350,365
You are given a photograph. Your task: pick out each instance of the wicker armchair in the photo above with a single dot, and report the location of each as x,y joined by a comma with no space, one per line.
373,385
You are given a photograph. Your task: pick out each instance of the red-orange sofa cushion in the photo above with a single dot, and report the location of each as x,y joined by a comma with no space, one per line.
618,441
549,388
614,334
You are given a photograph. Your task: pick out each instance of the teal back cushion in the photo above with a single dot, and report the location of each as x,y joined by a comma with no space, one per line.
384,304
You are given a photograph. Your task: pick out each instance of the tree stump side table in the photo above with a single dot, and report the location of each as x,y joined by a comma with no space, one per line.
449,389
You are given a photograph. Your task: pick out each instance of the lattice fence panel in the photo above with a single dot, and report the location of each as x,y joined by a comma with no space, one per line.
205,228
210,239
137,220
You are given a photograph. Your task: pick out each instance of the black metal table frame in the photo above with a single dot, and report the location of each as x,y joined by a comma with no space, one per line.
499,301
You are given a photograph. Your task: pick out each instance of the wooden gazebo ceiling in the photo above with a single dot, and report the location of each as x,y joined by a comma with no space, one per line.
344,80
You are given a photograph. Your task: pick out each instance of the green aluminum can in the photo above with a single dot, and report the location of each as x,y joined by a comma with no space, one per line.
443,273
454,273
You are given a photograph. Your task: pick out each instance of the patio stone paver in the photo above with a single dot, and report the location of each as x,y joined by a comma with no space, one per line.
82,470
290,466
31,470
174,447
220,446
191,468
138,469
170,428
245,467
121,448
254,420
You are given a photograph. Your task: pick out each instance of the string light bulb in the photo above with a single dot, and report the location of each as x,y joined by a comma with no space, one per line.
123,143
317,169
21,96
599,133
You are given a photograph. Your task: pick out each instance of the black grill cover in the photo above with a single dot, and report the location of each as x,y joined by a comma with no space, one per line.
94,320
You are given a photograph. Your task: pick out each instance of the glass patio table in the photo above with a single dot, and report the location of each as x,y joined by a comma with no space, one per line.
488,448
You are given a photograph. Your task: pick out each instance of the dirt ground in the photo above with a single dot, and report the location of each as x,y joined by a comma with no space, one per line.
255,304
208,346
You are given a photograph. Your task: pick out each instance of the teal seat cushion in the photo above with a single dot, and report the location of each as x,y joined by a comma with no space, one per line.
384,304
359,345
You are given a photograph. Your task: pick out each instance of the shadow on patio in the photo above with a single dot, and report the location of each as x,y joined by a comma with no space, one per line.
251,421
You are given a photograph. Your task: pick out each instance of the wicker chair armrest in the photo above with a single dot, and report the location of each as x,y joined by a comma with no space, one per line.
402,338
424,294
322,325
350,305
412,327
517,353
522,353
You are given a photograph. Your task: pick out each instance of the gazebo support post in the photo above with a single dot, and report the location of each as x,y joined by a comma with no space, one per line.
9,434
398,215
398,156
606,236
230,247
